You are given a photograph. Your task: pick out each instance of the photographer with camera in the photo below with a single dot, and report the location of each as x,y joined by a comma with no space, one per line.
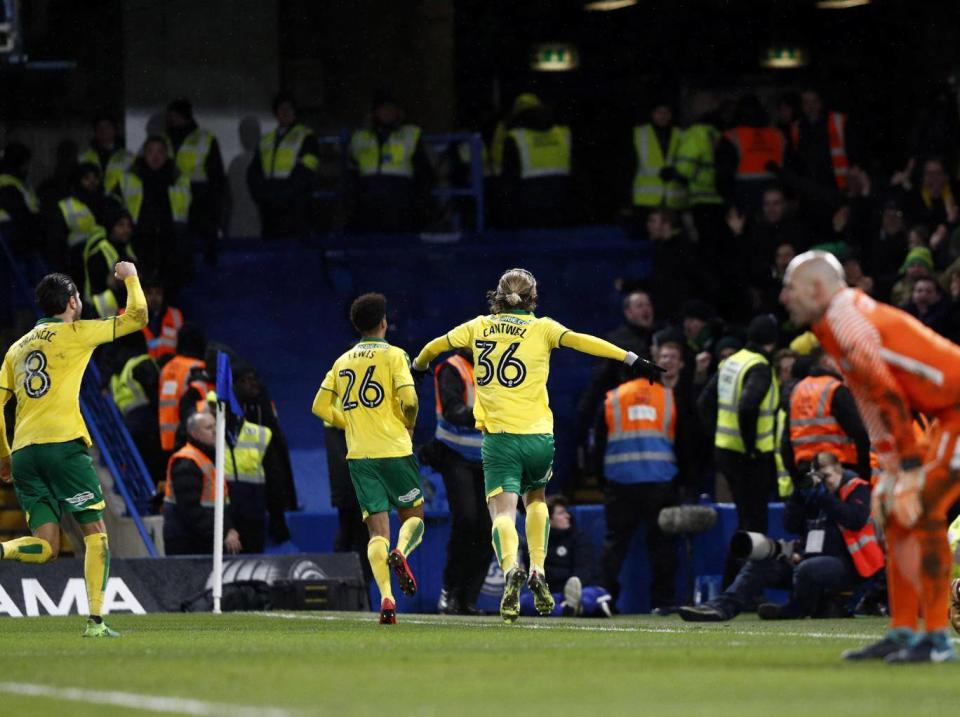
837,549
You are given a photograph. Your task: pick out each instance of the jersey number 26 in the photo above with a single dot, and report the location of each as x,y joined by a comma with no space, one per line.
370,393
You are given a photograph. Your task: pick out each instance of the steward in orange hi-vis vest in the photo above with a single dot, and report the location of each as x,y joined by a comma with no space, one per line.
641,428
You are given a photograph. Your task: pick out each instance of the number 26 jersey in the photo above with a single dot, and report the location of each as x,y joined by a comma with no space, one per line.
366,379
511,358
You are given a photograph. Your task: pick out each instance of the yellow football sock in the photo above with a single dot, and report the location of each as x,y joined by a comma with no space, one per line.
506,542
411,533
27,550
377,550
96,570
538,532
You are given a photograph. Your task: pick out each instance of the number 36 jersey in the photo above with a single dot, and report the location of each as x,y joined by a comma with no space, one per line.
44,369
366,380
511,358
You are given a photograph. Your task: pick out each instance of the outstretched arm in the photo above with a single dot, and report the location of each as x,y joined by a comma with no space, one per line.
324,407
585,343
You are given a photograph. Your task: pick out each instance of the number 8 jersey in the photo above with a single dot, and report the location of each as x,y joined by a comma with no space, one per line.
511,358
45,367
367,380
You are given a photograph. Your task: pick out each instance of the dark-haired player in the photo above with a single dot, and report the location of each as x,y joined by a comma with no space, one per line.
378,409
50,465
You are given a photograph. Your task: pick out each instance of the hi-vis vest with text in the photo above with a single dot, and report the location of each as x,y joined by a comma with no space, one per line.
207,492
836,131
543,153
178,194
118,164
756,146
641,428
191,158
733,371
166,343
648,189
81,224
862,544
174,381
279,159
127,392
813,429
394,158
29,198
465,441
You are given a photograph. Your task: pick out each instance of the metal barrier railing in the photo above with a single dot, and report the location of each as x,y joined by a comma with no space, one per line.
117,450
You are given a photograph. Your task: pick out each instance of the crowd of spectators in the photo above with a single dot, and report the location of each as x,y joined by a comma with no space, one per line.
725,203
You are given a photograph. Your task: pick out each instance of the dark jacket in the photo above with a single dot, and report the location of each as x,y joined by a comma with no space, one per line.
755,386
844,409
818,508
188,526
571,553
284,204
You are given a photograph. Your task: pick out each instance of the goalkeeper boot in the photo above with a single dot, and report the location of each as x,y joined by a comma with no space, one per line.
388,612
98,629
510,602
932,647
401,568
892,642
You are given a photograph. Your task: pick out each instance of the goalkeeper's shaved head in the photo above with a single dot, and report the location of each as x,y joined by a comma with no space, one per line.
809,284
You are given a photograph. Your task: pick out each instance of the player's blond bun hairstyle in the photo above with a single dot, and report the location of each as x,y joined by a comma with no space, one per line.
517,289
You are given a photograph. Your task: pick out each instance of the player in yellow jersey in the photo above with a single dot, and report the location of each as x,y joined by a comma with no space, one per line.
378,409
511,349
50,466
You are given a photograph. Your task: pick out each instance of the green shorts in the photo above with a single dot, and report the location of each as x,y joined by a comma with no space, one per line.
48,477
516,463
383,482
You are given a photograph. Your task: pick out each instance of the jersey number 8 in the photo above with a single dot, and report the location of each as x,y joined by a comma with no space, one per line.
510,371
37,381
371,392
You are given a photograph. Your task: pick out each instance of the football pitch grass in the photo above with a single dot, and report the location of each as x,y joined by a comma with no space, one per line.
286,664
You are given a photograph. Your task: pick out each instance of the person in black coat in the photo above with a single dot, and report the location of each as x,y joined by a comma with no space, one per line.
455,453
751,474
634,334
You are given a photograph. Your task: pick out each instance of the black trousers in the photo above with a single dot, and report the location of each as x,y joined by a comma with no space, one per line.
468,550
626,508
751,481
352,534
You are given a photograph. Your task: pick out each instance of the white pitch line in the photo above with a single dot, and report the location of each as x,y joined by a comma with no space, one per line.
145,703
422,620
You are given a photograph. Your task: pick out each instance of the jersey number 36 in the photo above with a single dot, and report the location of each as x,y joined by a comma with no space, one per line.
510,371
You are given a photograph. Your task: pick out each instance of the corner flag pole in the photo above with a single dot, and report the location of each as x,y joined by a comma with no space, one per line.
218,506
